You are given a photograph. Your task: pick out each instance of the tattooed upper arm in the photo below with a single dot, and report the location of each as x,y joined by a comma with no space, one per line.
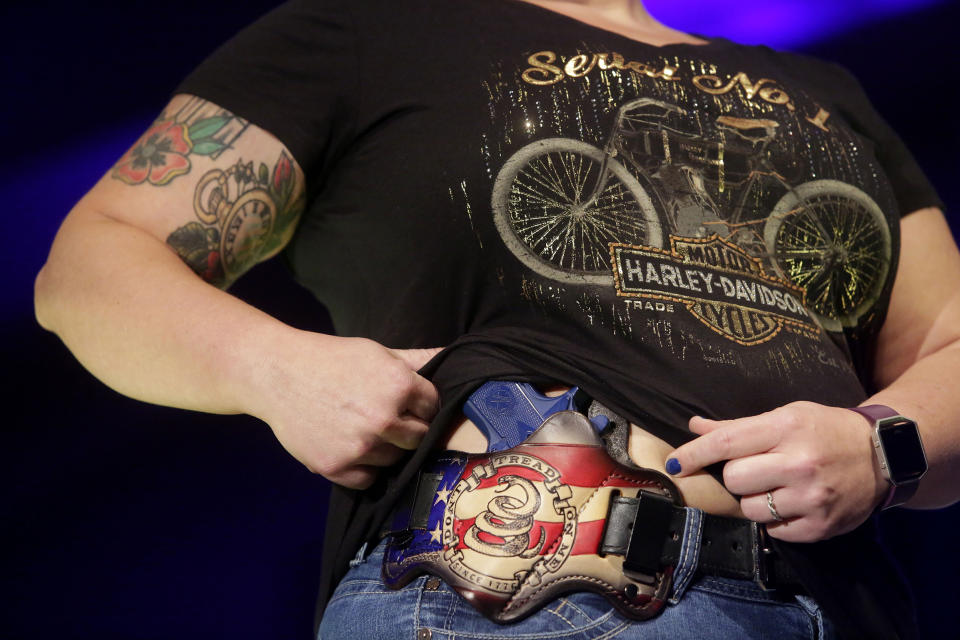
218,190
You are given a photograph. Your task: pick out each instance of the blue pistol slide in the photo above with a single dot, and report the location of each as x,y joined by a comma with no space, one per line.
508,412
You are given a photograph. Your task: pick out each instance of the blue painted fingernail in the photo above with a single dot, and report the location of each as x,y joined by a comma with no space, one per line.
673,466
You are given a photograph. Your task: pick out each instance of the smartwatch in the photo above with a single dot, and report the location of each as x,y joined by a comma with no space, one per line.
899,449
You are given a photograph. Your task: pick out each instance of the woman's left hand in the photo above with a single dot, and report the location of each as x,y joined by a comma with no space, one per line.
817,462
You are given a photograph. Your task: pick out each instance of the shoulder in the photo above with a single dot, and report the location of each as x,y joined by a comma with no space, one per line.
812,69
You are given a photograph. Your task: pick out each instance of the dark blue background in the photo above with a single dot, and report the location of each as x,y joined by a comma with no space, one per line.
123,520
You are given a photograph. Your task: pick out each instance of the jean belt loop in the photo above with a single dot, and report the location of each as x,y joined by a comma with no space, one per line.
689,553
360,557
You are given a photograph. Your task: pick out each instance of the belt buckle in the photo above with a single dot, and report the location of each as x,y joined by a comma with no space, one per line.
762,550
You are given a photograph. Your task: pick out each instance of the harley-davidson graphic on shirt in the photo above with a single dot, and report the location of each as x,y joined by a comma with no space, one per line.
734,196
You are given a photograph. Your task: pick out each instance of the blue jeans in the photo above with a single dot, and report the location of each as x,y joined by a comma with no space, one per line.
427,609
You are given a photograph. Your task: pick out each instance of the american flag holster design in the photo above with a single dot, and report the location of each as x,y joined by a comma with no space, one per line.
513,529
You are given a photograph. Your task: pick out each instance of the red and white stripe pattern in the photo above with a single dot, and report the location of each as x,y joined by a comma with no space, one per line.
569,486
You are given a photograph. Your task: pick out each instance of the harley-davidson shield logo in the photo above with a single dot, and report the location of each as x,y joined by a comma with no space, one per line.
718,282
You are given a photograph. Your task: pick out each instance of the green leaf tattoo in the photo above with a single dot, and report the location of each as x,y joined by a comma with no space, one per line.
208,127
207,147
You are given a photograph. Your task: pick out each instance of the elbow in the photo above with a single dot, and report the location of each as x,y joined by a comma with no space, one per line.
44,296
56,285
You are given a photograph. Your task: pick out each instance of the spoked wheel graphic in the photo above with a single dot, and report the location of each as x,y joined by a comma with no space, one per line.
831,239
557,208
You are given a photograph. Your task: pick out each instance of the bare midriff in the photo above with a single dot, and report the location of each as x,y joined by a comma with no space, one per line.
699,490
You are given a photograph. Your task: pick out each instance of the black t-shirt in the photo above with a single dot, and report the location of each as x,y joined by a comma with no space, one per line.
688,229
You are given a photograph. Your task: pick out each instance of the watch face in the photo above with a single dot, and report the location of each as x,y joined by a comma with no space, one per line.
903,450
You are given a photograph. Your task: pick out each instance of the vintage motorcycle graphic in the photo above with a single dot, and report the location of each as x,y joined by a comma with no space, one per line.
559,204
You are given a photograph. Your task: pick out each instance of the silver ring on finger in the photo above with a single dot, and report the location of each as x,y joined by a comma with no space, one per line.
773,508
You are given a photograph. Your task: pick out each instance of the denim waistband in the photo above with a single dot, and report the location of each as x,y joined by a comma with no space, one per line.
689,553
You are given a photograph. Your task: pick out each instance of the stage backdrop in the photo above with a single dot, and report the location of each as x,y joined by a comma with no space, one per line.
123,520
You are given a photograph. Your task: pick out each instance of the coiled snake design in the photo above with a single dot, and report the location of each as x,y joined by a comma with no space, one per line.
509,518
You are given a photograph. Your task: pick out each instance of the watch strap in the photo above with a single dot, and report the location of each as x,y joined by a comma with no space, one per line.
875,412
898,493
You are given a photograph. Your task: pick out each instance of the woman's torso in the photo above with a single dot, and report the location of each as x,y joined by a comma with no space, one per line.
461,204
418,127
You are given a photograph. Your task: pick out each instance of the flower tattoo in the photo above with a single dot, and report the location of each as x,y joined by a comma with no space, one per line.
196,128
158,157
282,174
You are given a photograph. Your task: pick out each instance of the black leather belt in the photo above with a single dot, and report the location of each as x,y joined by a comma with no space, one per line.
648,532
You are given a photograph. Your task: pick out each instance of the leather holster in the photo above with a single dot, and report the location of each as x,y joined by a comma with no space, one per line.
513,529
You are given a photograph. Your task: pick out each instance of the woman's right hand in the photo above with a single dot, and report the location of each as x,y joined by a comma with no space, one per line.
345,406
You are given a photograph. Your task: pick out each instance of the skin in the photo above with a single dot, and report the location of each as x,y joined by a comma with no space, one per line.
626,17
